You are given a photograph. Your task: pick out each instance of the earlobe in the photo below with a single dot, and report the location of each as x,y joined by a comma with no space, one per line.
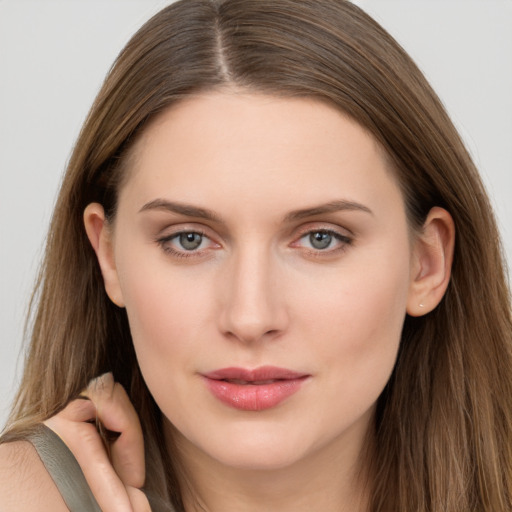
432,262
100,236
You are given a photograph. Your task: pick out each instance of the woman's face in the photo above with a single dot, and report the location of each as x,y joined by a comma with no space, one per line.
262,251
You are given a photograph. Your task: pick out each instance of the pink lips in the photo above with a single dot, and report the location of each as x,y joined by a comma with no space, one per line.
254,390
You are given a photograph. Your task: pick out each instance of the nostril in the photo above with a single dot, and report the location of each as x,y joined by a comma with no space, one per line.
253,336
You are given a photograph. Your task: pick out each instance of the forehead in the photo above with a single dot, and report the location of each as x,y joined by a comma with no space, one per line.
222,146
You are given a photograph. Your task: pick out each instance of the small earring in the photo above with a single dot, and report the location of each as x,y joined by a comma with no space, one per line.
422,306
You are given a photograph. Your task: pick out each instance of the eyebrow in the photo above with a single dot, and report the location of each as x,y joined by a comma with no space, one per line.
182,209
331,207
203,213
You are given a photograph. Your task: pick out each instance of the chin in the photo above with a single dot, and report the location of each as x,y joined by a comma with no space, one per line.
241,446
262,458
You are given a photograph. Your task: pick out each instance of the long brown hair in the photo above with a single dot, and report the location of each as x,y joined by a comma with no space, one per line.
443,428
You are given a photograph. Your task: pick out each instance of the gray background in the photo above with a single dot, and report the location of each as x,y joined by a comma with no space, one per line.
55,53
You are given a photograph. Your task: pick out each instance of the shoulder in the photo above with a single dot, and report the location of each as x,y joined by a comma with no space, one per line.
25,485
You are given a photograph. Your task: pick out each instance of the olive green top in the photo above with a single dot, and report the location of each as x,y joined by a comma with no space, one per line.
66,472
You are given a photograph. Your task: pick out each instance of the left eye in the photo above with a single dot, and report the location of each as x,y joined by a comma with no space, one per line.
322,239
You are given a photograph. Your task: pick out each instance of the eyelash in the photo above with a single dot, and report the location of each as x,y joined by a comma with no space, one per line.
163,242
343,240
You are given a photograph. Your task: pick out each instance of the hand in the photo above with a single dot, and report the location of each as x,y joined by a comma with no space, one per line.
114,469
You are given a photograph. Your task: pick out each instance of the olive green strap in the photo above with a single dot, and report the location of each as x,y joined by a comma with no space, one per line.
64,470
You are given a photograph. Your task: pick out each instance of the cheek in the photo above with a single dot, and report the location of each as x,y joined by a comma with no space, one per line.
360,300
163,312
356,323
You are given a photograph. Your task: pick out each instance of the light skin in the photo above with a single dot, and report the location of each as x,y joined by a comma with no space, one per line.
254,230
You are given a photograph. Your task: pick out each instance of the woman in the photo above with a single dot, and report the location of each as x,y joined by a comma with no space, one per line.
272,237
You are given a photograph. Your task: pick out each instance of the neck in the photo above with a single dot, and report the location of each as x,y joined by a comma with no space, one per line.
332,479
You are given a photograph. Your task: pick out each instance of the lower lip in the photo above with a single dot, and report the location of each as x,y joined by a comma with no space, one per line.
254,397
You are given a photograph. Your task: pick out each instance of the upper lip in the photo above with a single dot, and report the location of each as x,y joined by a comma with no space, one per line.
263,373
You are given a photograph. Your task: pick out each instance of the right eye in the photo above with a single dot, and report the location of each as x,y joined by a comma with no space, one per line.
186,243
189,241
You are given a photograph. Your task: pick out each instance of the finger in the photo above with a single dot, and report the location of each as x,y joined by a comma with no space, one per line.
116,413
86,445
78,410
138,500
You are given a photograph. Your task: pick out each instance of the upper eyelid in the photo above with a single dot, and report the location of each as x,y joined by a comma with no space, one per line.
332,232
175,234
176,229
218,234
312,227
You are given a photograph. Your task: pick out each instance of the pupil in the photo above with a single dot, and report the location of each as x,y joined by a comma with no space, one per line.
320,240
190,241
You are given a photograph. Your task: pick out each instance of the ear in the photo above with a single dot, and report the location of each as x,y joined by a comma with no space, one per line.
100,235
431,262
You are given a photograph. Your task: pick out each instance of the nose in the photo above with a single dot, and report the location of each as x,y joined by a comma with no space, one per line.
254,306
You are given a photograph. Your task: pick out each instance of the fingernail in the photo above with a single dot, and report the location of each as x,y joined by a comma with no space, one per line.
101,383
